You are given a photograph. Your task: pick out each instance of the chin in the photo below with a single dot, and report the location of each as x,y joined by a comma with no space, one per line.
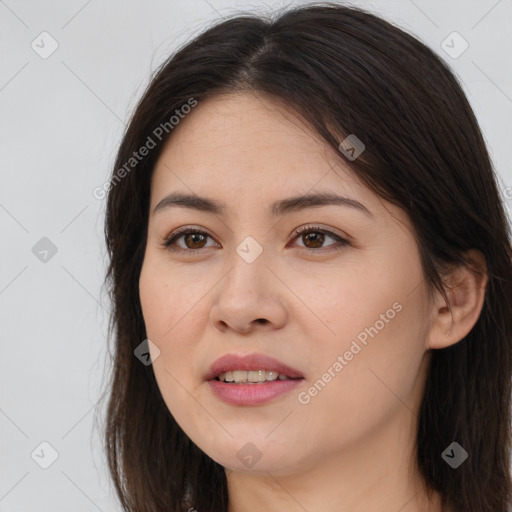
252,459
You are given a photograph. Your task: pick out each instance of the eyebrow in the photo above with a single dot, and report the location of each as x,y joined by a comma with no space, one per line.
280,207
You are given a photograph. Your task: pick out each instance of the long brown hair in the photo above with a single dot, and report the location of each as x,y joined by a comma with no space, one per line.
345,71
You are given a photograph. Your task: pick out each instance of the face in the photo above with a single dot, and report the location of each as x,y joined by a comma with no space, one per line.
343,304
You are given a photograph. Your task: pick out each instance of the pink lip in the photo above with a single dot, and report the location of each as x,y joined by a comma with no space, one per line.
251,394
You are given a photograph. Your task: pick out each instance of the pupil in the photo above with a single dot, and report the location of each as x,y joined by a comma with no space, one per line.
319,239
194,237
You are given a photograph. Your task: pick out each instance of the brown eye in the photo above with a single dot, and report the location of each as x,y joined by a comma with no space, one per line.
315,238
192,238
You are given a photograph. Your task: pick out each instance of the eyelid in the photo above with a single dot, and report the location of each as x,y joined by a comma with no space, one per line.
183,230
319,227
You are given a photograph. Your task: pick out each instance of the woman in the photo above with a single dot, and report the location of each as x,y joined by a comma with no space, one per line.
307,242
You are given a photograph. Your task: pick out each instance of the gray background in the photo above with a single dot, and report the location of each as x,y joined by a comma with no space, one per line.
61,120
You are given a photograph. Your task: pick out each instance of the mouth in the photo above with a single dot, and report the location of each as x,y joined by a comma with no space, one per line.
250,369
251,379
252,376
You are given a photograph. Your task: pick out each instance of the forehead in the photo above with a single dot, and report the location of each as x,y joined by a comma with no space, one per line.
249,150
245,139
248,127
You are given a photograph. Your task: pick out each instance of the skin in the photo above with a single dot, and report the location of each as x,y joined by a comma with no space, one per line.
351,447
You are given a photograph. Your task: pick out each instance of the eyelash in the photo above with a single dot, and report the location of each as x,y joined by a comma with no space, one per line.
171,239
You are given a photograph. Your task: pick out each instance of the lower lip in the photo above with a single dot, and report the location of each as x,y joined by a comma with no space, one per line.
252,394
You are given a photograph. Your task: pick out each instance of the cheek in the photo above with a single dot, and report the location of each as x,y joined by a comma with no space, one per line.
167,314
169,300
374,296
174,317
360,386
368,346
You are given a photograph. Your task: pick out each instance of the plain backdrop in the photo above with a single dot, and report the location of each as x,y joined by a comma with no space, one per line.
62,115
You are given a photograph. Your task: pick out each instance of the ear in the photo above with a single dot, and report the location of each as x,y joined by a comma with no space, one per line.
465,289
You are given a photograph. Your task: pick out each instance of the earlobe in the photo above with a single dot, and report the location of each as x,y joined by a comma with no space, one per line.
465,289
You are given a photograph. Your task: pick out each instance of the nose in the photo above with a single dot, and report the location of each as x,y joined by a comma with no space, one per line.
249,297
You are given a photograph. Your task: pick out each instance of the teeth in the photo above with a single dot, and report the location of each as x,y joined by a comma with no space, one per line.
252,377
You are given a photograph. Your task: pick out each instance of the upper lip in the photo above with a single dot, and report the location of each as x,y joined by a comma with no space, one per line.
231,362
